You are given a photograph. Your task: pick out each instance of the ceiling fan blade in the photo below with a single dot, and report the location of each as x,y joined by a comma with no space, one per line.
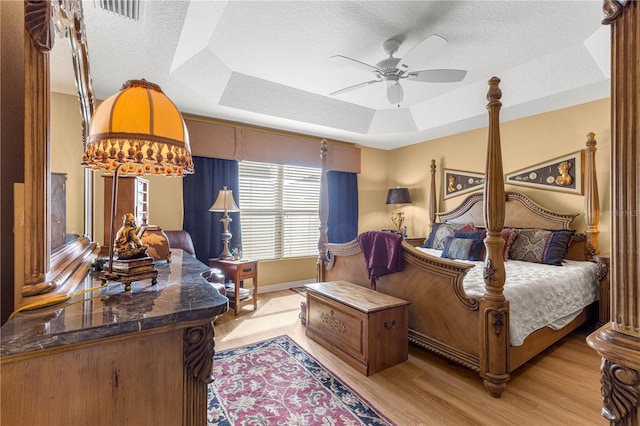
353,62
356,86
437,76
395,94
422,51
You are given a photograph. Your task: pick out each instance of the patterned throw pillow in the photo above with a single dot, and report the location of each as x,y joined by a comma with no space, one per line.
440,231
508,235
479,235
463,249
540,246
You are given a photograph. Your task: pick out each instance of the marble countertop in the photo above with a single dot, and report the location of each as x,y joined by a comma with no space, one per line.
180,296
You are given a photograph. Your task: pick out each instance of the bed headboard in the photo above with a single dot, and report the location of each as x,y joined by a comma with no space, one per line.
520,212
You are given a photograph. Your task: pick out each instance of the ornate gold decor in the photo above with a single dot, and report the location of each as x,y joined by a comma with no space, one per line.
332,321
559,174
458,182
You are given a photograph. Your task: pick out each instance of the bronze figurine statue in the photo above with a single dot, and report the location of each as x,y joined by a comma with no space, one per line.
127,244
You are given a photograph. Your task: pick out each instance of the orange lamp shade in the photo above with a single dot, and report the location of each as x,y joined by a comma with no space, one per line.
139,130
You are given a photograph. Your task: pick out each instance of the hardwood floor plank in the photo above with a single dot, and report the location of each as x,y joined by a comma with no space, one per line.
561,386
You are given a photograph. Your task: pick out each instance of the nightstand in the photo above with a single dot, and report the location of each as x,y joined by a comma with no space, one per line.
238,271
415,241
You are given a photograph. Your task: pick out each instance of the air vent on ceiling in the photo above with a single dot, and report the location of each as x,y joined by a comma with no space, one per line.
131,9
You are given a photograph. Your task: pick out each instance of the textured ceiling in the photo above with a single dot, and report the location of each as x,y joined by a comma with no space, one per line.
267,63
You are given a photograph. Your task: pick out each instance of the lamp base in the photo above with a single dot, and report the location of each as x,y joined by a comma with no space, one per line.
128,271
398,220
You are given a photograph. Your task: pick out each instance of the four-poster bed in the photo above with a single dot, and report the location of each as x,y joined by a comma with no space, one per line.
473,329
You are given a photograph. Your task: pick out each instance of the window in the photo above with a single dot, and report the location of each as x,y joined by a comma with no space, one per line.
279,210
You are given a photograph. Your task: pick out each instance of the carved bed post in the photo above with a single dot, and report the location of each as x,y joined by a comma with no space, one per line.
494,308
432,196
618,342
591,199
324,213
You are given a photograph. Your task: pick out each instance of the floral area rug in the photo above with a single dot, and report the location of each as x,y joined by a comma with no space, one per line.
275,382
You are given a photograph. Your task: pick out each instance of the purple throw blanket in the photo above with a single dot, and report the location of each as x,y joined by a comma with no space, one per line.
382,252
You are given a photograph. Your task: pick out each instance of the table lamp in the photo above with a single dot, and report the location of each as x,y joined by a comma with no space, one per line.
137,131
225,203
398,196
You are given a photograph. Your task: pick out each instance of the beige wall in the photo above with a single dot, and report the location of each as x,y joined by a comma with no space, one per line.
525,142
373,183
165,203
66,155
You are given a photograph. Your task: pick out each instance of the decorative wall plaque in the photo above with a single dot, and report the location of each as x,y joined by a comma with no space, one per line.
457,182
560,174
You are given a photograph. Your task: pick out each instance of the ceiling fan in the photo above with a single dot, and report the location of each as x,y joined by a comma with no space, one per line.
392,70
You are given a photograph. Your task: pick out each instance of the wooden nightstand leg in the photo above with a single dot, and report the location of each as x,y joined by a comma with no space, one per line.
255,290
236,295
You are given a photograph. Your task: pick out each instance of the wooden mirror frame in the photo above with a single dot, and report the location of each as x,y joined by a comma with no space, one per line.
47,275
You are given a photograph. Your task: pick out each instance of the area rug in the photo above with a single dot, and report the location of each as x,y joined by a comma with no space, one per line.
276,382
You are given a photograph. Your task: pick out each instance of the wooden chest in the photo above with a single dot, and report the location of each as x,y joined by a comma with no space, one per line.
365,328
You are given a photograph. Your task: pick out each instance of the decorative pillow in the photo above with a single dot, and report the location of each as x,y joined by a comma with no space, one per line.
440,231
463,249
540,245
508,235
479,235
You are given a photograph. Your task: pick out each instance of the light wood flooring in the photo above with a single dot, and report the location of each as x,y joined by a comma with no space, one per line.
559,387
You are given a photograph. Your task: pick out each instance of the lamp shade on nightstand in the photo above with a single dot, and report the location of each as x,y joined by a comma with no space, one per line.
398,196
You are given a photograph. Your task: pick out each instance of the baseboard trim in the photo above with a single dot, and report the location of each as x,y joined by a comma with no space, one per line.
284,286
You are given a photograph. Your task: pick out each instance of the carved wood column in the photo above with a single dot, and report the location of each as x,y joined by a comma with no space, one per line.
591,199
39,37
199,349
494,308
618,342
324,213
432,196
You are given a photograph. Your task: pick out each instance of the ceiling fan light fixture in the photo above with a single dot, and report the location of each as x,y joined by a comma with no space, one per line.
391,69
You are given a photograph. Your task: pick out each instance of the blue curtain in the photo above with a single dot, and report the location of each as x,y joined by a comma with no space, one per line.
343,206
199,192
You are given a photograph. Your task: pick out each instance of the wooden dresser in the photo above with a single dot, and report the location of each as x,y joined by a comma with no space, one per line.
140,357
365,328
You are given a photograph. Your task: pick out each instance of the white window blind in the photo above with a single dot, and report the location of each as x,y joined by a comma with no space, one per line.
279,210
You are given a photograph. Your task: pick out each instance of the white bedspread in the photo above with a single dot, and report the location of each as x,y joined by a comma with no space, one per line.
539,295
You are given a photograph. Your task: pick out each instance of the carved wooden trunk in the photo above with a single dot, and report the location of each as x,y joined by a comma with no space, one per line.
366,329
